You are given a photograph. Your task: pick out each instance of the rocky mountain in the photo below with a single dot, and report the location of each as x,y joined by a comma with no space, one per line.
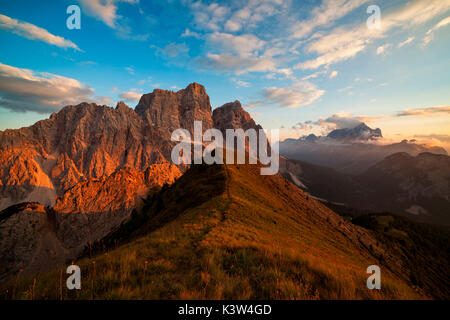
226,232
417,187
350,150
88,166
87,141
97,182
166,111
358,133
233,116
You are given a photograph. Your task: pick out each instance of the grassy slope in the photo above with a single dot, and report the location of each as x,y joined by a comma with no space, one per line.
423,249
223,232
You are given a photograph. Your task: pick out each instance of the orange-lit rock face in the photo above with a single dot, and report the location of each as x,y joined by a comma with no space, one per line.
88,141
118,191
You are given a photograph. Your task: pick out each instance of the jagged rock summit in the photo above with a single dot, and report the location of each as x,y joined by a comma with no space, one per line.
359,133
90,165
168,110
88,141
232,116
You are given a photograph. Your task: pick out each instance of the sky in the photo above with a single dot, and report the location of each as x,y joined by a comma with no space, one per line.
298,66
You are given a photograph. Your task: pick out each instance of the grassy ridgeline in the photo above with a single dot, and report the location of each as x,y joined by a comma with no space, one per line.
225,232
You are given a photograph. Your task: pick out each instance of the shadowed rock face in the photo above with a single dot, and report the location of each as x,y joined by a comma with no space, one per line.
233,116
358,133
416,187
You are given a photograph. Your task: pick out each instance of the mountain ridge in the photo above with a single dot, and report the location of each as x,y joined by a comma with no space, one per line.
202,246
360,132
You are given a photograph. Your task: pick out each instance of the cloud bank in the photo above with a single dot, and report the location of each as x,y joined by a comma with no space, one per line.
32,32
26,90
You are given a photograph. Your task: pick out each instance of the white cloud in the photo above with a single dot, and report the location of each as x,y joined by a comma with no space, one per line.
255,114
189,33
425,112
33,32
407,41
324,15
334,74
209,16
314,75
131,96
344,52
104,10
240,83
240,65
241,54
130,70
340,120
298,95
430,33
253,104
383,49
347,120
173,49
103,100
243,45
343,43
439,137
253,13
27,90
345,89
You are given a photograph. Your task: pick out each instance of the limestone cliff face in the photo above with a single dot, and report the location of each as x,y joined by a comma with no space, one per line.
87,167
167,111
118,191
27,241
233,116
88,141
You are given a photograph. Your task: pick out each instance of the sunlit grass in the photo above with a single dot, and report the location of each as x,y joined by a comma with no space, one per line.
255,239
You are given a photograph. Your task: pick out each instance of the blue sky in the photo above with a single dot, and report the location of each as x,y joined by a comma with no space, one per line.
301,66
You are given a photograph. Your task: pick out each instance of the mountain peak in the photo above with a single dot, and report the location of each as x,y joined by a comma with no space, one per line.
122,105
361,132
232,116
167,110
196,87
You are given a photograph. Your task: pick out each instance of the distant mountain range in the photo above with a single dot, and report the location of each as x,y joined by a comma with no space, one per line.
359,133
351,150
417,187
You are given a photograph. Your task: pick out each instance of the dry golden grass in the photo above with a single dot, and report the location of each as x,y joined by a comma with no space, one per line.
259,237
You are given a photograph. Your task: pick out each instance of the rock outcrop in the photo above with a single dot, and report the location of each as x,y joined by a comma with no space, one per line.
233,116
167,110
89,166
80,173
88,141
